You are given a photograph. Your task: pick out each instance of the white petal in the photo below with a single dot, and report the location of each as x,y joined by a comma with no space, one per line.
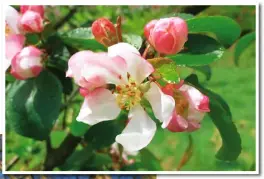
99,105
11,18
162,104
139,131
137,67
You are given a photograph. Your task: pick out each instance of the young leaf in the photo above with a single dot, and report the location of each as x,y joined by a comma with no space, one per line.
199,50
133,39
242,44
222,118
32,106
82,39
225,28
166,68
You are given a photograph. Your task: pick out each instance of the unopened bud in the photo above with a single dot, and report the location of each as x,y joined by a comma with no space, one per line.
104,32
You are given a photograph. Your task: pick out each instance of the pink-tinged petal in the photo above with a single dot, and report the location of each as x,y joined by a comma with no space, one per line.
11,19
91,70
100,105
204,104
194,115
162,104
27,63
139,131
193,126
84,92
148,28
177,123
31,22
105,69
193,95
16,75
13,44
137,67
38,8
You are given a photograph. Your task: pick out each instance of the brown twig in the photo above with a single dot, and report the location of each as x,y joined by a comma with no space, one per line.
187,154
12,162
146,51
118,29
56,157
66,18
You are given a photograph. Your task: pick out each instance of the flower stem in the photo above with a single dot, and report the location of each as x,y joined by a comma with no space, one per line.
187,154
118,29
146,51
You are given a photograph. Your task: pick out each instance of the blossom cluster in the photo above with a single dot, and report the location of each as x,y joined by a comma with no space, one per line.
120,79
26,62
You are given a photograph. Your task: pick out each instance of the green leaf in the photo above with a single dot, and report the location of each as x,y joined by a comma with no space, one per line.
78,159
103,134
58,53
32,39
222,118
224,28
242,44
78,129
206,70
149,161
200,50
133,39
166,68
67,84
99,160
82,39
57,138
33,105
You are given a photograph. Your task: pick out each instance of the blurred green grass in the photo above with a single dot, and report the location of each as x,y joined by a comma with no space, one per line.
237,85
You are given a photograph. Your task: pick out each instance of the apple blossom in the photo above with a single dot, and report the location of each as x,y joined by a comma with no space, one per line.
190,107
14,40
31,22
167,35
126,69
36,8
27,63
104,32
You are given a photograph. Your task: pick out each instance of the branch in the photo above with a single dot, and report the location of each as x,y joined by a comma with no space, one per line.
56,157
194,9
66,18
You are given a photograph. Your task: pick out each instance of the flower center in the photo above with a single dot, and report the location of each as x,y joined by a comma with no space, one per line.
8,30
182,104
128,96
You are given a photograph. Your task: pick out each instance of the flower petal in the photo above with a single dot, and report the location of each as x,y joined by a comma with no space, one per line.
99,105
11,18
162,104
91,70
196,98
137,67
139,131
13,44
177,123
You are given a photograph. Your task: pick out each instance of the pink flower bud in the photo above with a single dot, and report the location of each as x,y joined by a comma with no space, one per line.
167,35
27,63
31,22
84,92
104,32
37,9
